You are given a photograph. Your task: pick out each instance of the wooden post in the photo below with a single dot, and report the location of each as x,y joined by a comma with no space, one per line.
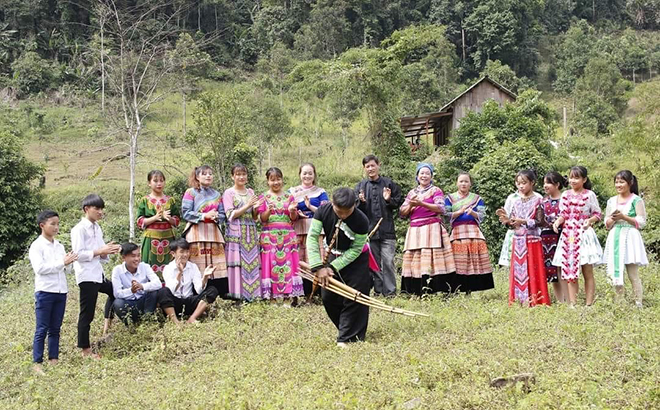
565,123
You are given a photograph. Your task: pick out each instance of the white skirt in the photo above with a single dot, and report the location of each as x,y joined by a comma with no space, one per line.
591,252
631,251
507,248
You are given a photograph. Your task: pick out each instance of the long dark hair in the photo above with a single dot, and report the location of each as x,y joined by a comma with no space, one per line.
630,179
581,172
528,174
555,178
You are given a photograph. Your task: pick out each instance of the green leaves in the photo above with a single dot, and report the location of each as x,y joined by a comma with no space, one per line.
19,200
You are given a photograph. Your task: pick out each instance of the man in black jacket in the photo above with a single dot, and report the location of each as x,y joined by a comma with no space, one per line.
379,197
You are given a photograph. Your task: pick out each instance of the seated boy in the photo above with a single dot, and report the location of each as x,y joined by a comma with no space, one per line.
49,261
185,288
135,285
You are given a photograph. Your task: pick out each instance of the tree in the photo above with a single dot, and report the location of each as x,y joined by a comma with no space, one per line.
19,199
189,64
578,45
222,124
504,75
136,70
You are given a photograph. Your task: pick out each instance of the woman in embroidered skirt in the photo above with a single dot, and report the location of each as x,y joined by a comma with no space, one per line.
158,215
578,248
427,253
527,280
204,213
624,249
309,198
466,211
241,239
279,245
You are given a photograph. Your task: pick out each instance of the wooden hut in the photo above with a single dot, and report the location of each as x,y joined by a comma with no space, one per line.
439,125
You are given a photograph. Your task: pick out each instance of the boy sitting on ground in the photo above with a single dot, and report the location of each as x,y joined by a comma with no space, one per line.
185,290
135,286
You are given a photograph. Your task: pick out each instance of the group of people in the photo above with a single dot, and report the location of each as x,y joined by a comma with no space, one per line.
351,238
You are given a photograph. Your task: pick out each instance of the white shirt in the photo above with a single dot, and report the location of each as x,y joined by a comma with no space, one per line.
191,277
47,260
86,237
122,280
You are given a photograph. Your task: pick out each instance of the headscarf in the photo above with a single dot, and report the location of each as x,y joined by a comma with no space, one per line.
424,165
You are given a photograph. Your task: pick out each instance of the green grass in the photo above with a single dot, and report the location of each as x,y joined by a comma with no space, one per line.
261,356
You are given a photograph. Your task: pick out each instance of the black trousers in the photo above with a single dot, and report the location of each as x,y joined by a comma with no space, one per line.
187,306
349,317
89,292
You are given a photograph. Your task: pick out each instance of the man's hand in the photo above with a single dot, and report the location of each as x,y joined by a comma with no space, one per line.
361,196
70,257
387,193
209,271
136,286
323,275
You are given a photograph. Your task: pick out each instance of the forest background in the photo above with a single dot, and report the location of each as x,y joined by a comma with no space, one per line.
94,94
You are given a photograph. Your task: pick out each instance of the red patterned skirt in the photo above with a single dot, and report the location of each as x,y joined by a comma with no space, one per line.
527,278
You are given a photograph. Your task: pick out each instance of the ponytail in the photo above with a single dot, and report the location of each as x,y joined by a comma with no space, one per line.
630,179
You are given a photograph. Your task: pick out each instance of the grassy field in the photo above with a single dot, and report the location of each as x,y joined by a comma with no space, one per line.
261,356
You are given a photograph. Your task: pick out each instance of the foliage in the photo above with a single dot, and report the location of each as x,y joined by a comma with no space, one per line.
32,74
480,133
493,178
573,54
20,200
505,76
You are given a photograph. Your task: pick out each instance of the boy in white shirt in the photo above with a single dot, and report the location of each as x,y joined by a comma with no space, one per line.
135,285
185,290
87,242
49,261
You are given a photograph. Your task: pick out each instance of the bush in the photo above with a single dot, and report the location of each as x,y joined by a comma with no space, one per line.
20,200
33,74
493,179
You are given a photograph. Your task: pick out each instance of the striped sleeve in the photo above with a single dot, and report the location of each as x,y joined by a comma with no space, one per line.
349,255
312,244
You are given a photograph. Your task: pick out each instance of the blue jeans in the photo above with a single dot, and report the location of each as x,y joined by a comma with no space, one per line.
383,251
135,307
49,309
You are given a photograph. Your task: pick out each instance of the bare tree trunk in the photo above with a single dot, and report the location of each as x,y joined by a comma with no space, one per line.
463,40
131,191
215,10
101,23
184,112
199,16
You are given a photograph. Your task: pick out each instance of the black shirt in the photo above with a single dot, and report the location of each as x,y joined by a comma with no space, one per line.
376,207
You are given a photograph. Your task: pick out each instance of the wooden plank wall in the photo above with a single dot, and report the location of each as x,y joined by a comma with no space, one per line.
473,101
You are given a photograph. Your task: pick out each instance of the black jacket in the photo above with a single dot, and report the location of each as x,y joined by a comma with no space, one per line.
376,207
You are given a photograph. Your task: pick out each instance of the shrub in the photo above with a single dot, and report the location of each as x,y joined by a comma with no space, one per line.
493,179
33,74
20,200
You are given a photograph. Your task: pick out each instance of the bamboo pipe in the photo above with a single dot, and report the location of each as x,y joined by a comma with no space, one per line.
348,292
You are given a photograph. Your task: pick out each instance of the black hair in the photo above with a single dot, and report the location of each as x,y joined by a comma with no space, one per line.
238,167
308,164
155,173
274,170
179,244
528,174
127,248
630,179
46,215
93,200
369,158
555,178
344,198
193,181
464,173
581,172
